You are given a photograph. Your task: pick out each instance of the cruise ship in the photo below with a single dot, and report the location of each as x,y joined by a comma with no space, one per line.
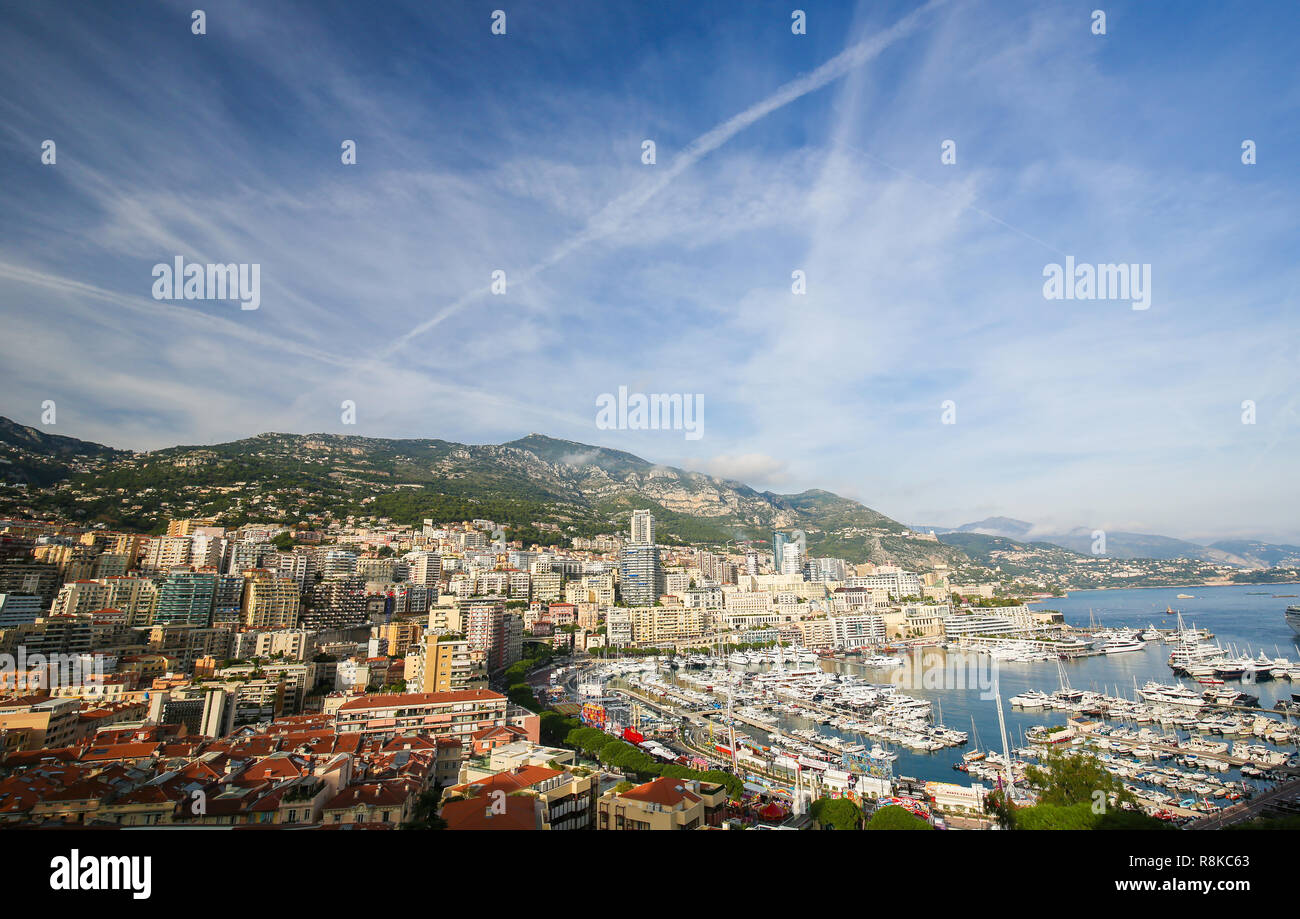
1293,618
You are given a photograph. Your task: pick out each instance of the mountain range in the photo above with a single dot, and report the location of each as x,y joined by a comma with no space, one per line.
544,489
1123,545
534,484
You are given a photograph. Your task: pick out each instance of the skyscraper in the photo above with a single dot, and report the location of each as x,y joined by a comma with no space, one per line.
186,598
643,528
642,576
483,620
778,550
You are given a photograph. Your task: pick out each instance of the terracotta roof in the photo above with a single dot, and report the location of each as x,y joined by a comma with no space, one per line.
149,794
395,700
19,793
512,780
664,791
119,751
502,730
374,794
521,812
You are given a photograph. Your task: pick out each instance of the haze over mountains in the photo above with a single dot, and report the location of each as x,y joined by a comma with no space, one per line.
1119,544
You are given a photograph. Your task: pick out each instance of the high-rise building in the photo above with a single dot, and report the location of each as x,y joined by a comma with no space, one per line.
643,528
186,527
426,569
778,550
792,559
641,575
136,597
186,598
270,602
335,604
18,609
483,621
450,665
166,552
31,577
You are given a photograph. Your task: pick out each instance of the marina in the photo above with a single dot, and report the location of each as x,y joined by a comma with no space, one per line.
1183,747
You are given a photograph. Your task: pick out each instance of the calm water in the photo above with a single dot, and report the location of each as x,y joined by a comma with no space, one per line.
1248,617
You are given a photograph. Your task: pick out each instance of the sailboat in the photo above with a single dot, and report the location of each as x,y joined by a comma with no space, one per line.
975,754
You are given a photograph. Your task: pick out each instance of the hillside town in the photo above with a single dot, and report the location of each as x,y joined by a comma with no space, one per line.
286,676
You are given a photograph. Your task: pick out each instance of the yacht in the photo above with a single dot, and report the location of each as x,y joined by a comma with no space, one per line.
1238,668
1229,697
880,660
880,754
1188,654
1170,695
1293,618
1120,644
1033,698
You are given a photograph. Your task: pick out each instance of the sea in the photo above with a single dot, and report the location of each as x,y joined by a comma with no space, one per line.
1247,617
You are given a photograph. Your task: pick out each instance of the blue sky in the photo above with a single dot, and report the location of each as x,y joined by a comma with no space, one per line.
775,152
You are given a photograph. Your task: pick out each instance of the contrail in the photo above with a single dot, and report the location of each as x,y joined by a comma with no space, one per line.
612,215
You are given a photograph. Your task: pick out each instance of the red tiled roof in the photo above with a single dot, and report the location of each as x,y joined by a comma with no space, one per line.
119,751
513,780
664,791
393,700
520,813
375,794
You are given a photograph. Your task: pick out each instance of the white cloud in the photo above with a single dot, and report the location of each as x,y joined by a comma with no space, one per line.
755,469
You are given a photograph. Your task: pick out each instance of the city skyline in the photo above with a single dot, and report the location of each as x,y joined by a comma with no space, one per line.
776,153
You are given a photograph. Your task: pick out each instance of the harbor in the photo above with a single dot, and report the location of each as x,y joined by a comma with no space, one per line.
1185,749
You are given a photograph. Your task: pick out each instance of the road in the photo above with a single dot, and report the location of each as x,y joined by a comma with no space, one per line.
1249,809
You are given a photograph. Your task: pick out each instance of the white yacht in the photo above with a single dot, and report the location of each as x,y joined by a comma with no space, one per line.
1033,698
880,754
1170,695
1121,644
880,660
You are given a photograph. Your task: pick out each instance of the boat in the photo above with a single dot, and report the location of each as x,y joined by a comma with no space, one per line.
881,660
1122,644
1184,597
1230,697
1170,695
1293,618
1033,698
880,754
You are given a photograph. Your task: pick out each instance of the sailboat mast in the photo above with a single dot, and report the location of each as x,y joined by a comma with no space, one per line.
1002,727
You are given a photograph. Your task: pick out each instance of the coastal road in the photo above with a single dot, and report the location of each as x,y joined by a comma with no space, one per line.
1248,810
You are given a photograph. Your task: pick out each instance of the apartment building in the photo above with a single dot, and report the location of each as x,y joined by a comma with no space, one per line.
666,623
663,804
270,602
44,721
455,715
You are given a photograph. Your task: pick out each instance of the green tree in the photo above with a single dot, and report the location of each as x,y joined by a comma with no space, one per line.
1066,777
837,813
894,817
